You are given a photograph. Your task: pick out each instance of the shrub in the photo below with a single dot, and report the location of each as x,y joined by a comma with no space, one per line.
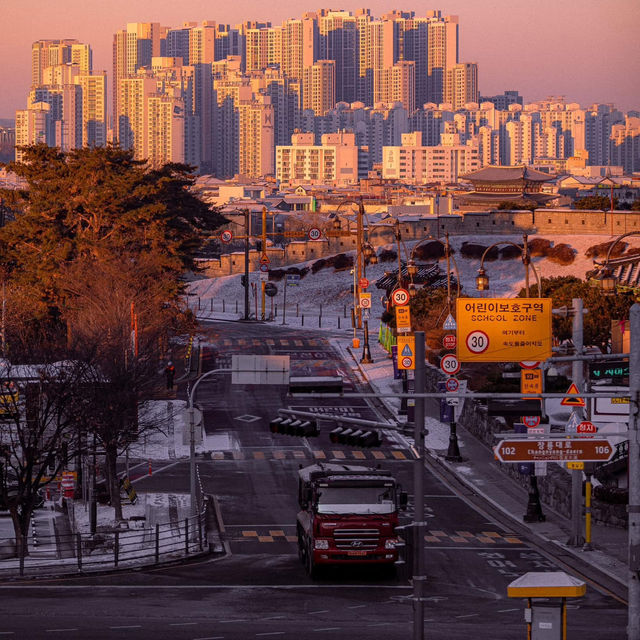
342,261
600,250
510,252
387,255
429,251
276,274
539,247
318,264
611,495
562,254
472,250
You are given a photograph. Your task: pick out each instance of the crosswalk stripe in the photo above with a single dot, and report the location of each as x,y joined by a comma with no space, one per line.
338,454
258,455
319,455
359,455
379,455
398,455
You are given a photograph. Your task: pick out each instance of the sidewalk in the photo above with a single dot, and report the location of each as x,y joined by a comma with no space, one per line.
480,472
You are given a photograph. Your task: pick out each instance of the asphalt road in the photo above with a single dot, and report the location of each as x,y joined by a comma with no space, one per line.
260,589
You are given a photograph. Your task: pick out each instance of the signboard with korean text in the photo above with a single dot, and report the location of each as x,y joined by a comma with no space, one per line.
531,381
609,370
613,404
503,329
403,319
563,450
365,300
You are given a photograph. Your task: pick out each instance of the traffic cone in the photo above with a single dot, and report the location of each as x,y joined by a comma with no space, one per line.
150,470
380,334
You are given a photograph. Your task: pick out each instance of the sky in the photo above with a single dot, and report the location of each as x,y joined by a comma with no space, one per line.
586,50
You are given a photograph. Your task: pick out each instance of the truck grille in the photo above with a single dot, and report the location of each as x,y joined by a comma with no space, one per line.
356,538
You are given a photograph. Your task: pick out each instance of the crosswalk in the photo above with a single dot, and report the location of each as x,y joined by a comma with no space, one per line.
314,454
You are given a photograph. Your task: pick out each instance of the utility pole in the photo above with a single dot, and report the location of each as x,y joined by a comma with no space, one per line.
633,627
577,374
418,491
246,264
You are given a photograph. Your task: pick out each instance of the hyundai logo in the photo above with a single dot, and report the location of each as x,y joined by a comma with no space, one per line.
356,543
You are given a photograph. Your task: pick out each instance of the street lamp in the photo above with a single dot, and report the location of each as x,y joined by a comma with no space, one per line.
453,451
606,279
534,507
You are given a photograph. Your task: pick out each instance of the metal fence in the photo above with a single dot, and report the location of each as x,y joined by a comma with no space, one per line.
108,548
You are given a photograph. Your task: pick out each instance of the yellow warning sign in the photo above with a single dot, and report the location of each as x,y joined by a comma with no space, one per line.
503,329
406,352
403,319
575,401
531,381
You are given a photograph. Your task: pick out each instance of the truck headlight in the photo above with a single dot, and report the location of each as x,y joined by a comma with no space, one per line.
321,543
390,543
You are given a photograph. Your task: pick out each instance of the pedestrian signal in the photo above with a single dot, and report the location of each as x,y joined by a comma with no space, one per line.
294,427
355,437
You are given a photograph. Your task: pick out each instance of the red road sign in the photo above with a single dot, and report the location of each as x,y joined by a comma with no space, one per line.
264,259
314,233
400,297
450,364
529,364
531,421
587,427
449,341
452,384
226,236
264,267
363,283
554,450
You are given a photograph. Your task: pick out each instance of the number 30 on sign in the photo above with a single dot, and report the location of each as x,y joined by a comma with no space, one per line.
477,341
449,364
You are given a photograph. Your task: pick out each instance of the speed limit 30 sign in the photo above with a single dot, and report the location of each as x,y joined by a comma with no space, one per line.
400,297
477,341
450,364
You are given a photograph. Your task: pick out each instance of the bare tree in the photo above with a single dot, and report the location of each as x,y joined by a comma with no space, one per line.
40,425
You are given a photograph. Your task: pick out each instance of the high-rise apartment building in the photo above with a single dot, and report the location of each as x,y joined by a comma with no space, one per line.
33,126
53,53
461,85
319,87
399,83
338,41
256,136
442,53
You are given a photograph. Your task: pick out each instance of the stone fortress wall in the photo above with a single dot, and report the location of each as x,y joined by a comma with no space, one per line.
544,222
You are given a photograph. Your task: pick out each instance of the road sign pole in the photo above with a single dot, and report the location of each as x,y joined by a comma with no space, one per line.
246,264
577,537
453,452
633,628
418,490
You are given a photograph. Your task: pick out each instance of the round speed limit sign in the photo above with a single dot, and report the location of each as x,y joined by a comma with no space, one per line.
226,236
400,297
450,364
314,233
477,341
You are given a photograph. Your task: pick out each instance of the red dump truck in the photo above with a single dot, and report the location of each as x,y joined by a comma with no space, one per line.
348,515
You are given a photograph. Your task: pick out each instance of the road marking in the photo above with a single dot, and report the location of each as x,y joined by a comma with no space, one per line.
182,624
211,638
270,633
469,615
56,630
356,606
328,629
506,610
321,611
157,471
128,626
210,587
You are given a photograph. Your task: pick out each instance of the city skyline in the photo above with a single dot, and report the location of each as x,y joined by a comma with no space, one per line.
565,57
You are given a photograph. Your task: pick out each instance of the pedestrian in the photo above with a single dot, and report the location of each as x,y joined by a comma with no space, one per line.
170,372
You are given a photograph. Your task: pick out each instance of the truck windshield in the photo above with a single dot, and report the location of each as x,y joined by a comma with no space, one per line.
356,500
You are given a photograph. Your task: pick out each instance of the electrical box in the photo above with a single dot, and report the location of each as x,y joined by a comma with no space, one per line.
546,621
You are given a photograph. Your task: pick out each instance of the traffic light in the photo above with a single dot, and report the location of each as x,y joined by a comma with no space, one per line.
294,427
355,437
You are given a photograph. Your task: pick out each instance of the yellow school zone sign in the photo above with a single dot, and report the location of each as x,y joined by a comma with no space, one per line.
503,329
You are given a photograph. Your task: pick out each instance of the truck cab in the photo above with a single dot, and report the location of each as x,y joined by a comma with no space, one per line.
348,515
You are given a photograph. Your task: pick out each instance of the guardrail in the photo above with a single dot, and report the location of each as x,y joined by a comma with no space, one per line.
108,548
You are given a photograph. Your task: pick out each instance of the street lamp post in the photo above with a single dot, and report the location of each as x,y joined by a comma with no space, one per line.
534,507
192,440
453,451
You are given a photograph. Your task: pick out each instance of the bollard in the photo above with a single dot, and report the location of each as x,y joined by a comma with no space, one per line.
275,313
321,308
186,536
297,309
345,310
211,305
150,469
236,306
157,543
223,306
303,319
319,321
198,303
116,548
338,322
